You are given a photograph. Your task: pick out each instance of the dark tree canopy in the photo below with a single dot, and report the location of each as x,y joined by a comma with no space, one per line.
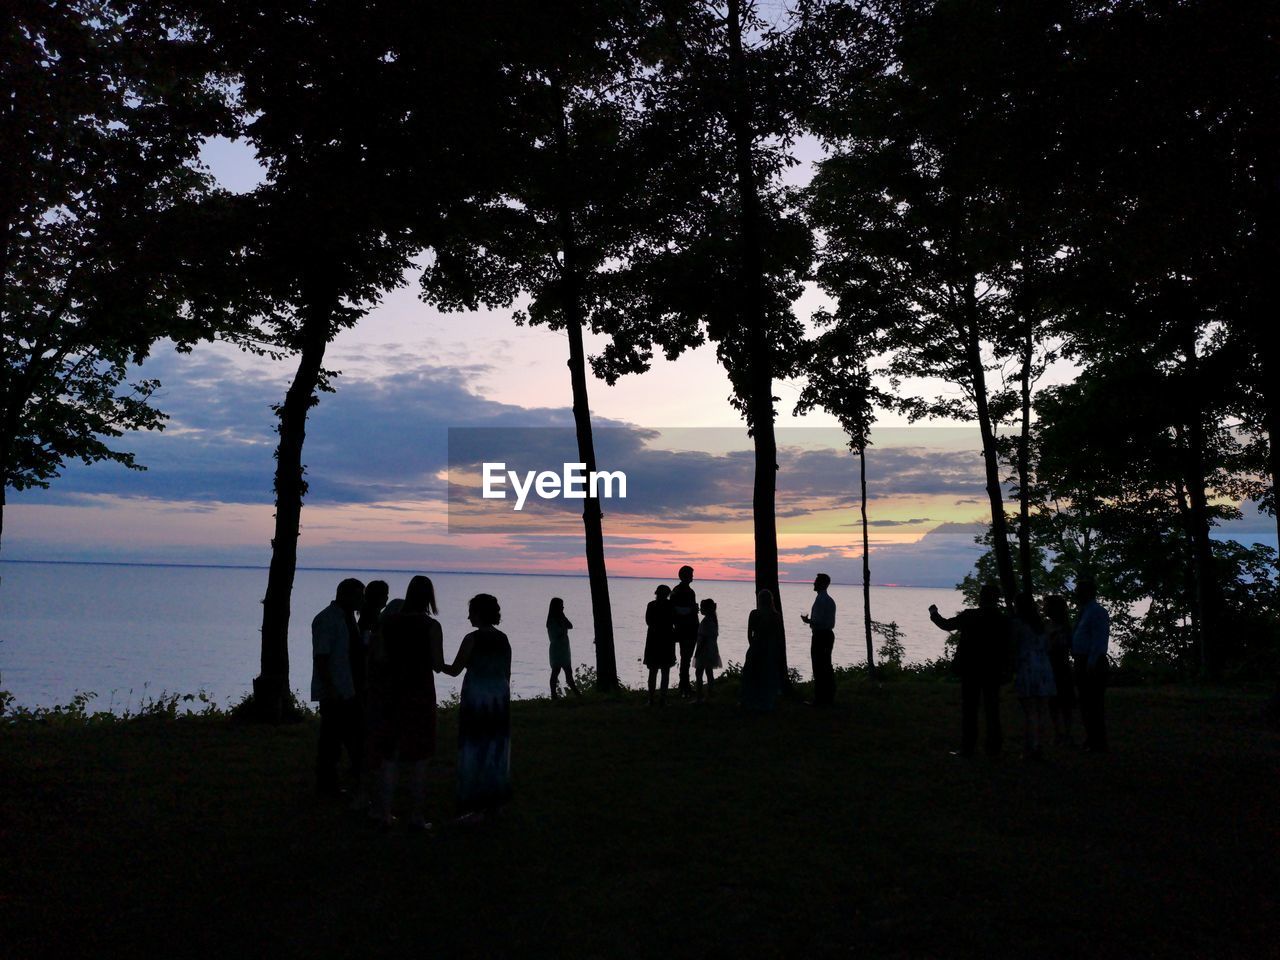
107,105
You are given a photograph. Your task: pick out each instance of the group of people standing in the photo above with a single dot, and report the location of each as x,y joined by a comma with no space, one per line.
373,674
1055,666
375,660
672,621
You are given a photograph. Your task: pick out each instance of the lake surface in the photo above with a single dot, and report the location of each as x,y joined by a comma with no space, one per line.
129,633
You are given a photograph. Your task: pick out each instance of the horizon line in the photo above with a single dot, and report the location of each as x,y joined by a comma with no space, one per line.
487,573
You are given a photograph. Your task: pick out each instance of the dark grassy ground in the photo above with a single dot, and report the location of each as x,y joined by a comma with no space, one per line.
680,832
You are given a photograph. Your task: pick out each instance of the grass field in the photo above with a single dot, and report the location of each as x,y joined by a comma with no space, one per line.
661,833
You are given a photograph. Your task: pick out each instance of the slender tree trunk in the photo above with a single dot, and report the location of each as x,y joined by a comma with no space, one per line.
866,563
271,686
990,453
593,532
1208,591
759,353
1025,560
1271,371
1191,574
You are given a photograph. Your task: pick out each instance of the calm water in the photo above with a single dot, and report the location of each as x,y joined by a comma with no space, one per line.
132,632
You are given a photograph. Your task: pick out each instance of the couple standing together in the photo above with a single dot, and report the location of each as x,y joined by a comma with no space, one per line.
374,679
764,672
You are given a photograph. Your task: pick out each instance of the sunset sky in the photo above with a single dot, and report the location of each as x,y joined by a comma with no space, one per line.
377,462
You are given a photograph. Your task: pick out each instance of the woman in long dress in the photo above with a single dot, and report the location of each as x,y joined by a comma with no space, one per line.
706,656
660,640
484,713
1033,673
1063,703
558,627
760,679
412,650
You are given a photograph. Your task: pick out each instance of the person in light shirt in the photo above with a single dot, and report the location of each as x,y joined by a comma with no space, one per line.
822,621
1089,651
333,633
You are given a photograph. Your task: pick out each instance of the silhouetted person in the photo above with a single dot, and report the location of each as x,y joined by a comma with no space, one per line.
822,622
1089,650
368,700
558,627
684,613
333,634
659,640
982,655
760,676
706,658
1063,703
413,646
484,713
1033,674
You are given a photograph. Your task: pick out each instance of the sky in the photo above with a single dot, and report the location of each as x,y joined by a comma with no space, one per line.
417,385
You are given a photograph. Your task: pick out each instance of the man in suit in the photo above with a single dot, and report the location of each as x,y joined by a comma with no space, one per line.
333,634
982,660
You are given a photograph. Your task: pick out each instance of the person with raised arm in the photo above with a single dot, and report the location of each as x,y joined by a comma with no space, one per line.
982,659
484,713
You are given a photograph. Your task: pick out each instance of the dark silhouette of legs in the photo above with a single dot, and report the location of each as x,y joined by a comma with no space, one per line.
329,748
568,682
970,694
824,674
991,708
653,679
1090,686
687,646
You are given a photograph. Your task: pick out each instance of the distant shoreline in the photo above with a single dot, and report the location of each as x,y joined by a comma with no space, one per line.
472,573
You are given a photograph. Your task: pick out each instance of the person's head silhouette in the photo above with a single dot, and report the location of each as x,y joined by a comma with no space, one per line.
821,582
420,596
1055,608
376,595
350,595
764,600
1025,606
1086,590
662,592
989,597
483,611
685,573
707,606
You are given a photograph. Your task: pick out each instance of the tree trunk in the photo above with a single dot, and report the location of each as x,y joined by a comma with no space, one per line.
1191,575
990,454
1025,560
593,532
271,687
759,353
1272,415
866,563
1207,589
